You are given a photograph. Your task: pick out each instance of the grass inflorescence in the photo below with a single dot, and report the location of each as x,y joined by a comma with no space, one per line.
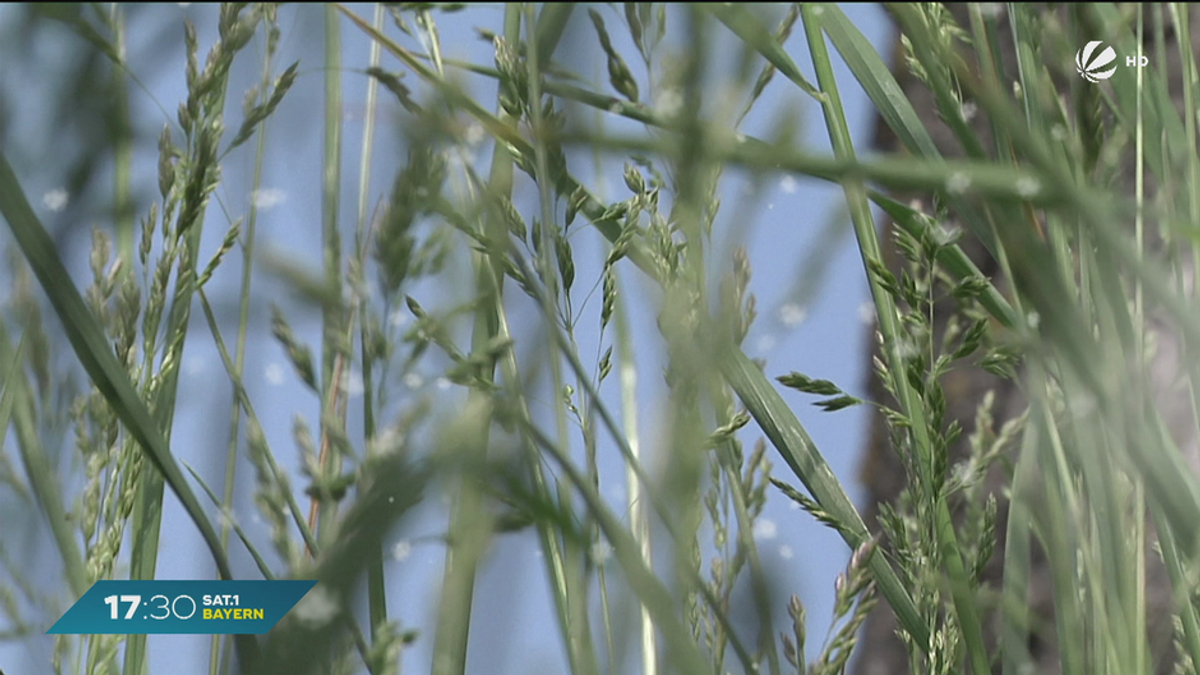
1046,520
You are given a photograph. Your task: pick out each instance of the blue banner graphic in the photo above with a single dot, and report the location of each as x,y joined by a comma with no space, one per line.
199,607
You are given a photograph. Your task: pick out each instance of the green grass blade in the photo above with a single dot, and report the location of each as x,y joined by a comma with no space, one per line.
1179,581
8,381
16,402
738,19
877,81
653,594
924,44
977,178
1161,118
1169,483
568,569
551,23
1014,631
101,364
376,580
233,524
910,404
784,431
331,247
239,391
468,521
632,462
638,515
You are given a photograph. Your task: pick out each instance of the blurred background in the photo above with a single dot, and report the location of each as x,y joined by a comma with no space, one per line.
56,125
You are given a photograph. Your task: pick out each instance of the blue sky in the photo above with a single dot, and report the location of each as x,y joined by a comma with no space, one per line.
792,230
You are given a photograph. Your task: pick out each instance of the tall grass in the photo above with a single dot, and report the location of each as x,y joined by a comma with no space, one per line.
1086,484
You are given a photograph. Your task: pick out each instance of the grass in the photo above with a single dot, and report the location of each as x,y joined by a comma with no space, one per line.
1085,484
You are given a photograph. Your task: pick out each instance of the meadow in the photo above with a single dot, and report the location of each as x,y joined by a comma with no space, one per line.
1084,194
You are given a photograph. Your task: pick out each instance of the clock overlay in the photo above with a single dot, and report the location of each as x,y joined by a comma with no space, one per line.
195,607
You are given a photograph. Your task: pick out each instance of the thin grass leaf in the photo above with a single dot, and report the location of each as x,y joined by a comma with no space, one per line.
1160,117
41,476
632,462
614,304
908,396
457,592
787,435
323,514
243,398
1014,630
262,565
551,24
97,358
232,454
655,597
8,396
877,81
376,579
976,179
1169,483
746,26
1180,582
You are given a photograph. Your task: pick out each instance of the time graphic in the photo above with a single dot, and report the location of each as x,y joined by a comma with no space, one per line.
161,607
201,607
169,607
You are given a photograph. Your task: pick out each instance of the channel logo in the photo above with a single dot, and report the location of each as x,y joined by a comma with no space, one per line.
1095,67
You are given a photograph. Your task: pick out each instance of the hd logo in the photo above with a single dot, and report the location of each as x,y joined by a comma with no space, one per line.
1095,63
